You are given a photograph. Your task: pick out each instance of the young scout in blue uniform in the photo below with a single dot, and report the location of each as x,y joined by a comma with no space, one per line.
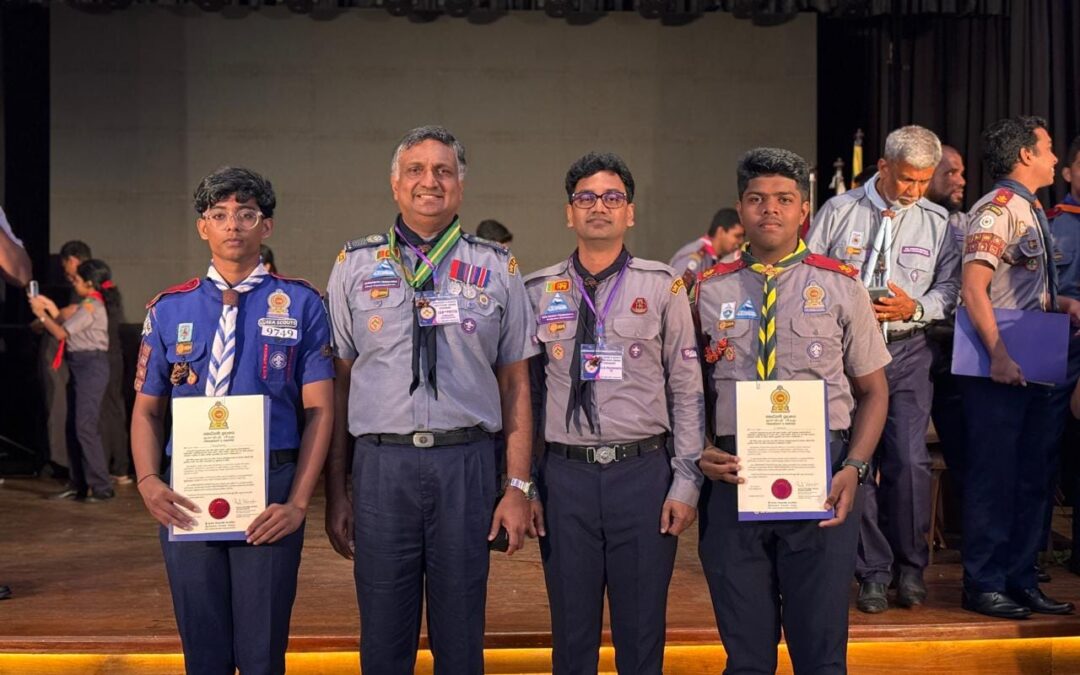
1065,227
1011,424
797,574
902,246
613,497
431,331
238,330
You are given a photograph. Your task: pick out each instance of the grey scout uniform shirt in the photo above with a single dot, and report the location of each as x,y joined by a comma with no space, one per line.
1003,231
661,389
825,330
376,332
925,257
88,327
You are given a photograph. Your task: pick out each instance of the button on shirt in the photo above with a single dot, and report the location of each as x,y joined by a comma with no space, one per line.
925,257
279,348
372,314
825,330
660,390
1003,231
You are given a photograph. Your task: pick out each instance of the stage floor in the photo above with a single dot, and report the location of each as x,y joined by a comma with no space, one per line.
88,578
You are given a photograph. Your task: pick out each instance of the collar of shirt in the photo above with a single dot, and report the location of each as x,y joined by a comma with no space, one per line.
604,273
415,239
878,199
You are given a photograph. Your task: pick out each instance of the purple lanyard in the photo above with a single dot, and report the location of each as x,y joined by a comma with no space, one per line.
419,254
600,316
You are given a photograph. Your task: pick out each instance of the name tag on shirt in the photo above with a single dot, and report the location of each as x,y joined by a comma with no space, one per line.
601,364
437,310
277,332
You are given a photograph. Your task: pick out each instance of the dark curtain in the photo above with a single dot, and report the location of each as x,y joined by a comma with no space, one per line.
952,74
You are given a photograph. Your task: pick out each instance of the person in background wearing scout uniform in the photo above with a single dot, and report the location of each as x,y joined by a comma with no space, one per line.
720,244
947,191
238,330
618,377
1065,227
793,573
493,230
908,258
1011,424
432,331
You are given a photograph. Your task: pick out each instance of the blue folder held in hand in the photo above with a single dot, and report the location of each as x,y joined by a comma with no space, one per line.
1037,341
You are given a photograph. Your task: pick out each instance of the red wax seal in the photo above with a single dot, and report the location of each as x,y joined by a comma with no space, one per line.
781,489
219,508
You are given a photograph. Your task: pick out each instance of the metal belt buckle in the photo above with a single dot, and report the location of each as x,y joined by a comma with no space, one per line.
602,455
423,439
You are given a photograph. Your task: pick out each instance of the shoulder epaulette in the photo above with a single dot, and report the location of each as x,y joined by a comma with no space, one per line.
1063,208
185,287
1002,196
652,266
720,269
366,242
833,265
297,280
473,239
1053,212
558,269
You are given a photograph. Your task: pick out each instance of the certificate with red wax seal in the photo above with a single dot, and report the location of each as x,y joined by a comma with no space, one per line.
782,439
220,461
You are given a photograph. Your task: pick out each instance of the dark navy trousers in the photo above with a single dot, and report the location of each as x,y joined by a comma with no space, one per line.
764,575
88,461
422,517
603,534
896,511
1010,432
1068,434
233,601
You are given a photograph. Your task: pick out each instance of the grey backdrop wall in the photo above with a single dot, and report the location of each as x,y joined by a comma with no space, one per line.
146,101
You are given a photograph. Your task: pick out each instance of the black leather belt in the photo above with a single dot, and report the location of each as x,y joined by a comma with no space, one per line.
727,443
282,457
612,452
429,439
898,335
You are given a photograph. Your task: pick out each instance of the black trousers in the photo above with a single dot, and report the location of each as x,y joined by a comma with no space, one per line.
86,453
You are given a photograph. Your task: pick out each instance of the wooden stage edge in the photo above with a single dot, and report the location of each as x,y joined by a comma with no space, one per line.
90,596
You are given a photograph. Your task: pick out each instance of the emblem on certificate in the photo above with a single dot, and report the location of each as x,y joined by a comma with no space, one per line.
219,416
780,399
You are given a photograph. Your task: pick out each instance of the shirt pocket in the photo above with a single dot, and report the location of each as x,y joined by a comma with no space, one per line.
1064,253
734,347
914,267
816,339
381,316
557,338
277,355
188,361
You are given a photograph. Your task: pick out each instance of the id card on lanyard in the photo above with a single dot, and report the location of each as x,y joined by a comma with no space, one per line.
599,361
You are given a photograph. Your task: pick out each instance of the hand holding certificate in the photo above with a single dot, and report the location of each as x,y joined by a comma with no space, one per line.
782,439
219,462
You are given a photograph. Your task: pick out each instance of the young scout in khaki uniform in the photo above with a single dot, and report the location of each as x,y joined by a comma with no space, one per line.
779,313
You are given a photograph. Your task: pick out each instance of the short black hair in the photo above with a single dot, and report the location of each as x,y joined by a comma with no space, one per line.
267,255
724,219
595,162
228,181
493,230
1072,152
75,249
1003,140
773,162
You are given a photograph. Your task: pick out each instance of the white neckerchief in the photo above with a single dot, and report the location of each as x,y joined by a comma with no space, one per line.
224,351
884,239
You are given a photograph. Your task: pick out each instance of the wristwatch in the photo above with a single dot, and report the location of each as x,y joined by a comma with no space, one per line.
526,486
862,468
917,314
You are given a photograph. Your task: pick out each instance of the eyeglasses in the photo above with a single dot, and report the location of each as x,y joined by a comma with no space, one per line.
613,199
246,219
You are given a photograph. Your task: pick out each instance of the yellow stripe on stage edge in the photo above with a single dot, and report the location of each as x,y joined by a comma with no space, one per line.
964,657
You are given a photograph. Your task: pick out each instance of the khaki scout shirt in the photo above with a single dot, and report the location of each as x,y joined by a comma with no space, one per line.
88,327
1003,231
925,257
661,390
825,330
372,324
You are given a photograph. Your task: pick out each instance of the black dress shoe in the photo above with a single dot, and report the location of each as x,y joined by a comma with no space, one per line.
101,495
70,493
1035,600
1041,574
872,598
997,605
5,592
910,589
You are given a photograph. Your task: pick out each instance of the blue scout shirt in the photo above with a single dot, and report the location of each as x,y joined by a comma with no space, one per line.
282,343
1065,226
